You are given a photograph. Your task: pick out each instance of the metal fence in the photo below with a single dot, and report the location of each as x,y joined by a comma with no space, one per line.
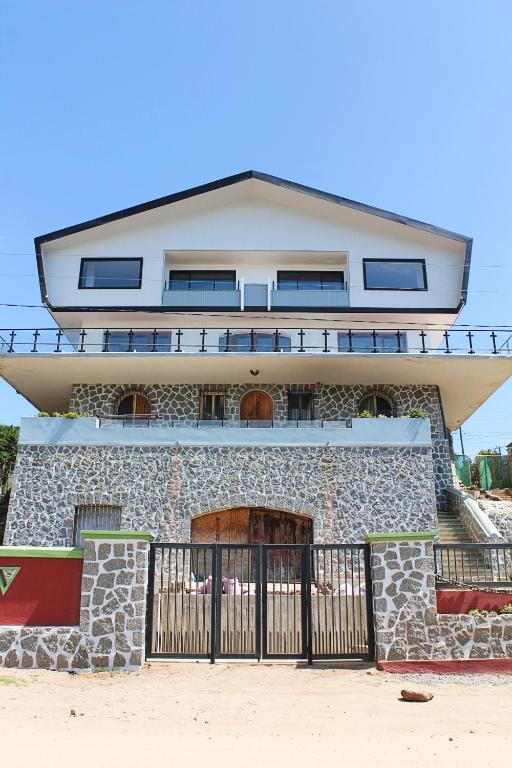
245,340
475,564
269,601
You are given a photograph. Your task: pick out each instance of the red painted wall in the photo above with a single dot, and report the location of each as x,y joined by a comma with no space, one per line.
462,601
46,592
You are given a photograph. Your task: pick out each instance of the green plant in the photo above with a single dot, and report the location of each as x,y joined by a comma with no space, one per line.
417,413
65,414
366,415
482,612
506,609
8,450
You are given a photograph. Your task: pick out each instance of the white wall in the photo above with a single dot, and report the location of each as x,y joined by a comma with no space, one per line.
255,225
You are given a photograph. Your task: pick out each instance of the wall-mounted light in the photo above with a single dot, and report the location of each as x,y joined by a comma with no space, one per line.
254,373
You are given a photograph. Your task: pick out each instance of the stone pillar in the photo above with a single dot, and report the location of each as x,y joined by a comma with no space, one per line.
404,595
113,599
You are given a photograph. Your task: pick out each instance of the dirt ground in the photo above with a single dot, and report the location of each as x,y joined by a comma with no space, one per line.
248,715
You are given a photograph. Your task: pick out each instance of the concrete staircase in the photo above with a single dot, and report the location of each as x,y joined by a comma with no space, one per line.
451,530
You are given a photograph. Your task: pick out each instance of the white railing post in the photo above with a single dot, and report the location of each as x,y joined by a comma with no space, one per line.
269,294
242,294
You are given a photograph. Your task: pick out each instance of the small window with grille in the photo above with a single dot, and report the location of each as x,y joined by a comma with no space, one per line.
95,517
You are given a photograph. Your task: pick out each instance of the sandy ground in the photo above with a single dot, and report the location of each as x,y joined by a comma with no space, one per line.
248,715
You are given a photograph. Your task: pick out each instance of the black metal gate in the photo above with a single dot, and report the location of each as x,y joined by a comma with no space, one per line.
254,601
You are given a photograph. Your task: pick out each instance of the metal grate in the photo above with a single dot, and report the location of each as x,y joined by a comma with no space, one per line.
95,517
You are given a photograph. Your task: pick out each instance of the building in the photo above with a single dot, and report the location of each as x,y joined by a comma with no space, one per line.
227,348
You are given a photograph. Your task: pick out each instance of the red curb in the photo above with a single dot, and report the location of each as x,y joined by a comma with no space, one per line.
448,667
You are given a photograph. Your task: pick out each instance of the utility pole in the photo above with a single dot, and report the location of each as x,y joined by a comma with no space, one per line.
461,441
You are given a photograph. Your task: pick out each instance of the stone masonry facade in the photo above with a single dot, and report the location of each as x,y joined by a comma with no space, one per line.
348,491
330,402
112,616
407,624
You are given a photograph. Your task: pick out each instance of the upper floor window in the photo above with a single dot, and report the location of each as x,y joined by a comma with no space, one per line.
212,406
137,341
134,404
310,281
202,280
300,406
368,342
375,405
255,342
110,273
399,275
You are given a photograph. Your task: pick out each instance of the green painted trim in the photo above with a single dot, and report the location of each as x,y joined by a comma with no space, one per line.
6,581
140,535
69,553
373,538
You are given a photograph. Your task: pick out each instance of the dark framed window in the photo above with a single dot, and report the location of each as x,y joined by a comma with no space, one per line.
255,342
395,275
110,273
95,517
202,280
367,342
137,341
310,281
212,406
300,406
376,404
134,404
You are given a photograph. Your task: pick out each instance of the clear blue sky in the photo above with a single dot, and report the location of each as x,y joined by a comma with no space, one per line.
404,105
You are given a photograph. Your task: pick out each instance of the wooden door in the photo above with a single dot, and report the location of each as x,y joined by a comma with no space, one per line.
227,526
256,406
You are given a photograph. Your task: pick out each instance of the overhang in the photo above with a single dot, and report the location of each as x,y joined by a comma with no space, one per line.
465,381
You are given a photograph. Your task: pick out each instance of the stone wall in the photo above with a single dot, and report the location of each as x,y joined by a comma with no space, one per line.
407,625
348,491
330,402
112,617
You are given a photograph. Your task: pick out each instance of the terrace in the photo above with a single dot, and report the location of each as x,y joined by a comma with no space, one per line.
467,365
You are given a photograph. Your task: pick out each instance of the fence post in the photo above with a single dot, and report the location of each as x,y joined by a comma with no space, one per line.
113,607
404,596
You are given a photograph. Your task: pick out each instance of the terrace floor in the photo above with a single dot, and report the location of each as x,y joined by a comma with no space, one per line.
249,715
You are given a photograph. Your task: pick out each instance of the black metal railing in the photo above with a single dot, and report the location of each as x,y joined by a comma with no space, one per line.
256,340
259,601
162,421
201,285
477,564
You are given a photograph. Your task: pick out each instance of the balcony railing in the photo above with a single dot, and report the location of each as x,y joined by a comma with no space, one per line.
346,341
210,294
163,422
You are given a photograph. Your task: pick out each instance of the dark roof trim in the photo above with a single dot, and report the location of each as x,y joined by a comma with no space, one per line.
235,179
330,310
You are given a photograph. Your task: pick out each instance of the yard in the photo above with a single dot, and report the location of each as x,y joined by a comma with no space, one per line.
249,714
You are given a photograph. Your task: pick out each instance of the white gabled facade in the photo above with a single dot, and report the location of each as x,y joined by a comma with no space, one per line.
257,302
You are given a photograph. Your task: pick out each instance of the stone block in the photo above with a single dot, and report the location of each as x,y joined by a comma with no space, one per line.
102,626
90,569
98,596
100,661
104,551
106,580
43,659
119,550
116,564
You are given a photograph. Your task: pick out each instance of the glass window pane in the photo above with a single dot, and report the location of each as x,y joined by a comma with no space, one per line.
394,275
202,280
110,273
299,406
310,281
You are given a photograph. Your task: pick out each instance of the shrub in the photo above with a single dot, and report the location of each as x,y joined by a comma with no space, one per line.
366,415
65,414
506,609
417,413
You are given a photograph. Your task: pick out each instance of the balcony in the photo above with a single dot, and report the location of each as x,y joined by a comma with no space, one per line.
252,296
466,365
93,431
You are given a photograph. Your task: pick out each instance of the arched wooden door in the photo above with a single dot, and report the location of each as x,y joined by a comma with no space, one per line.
134,404
256,406
251,525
